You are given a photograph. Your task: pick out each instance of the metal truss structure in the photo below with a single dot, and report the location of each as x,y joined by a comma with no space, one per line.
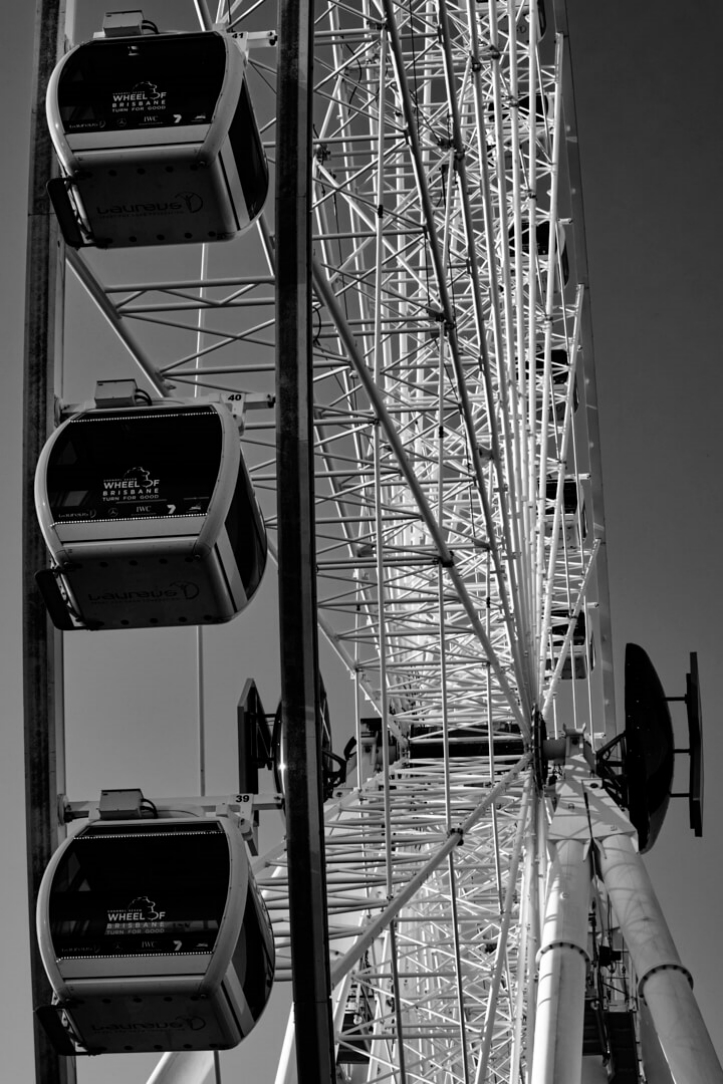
458,510
459,522
428,932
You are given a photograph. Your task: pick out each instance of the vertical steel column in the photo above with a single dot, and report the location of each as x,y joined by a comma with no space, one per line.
184,1067
560,1013
42,645
663,982
297,558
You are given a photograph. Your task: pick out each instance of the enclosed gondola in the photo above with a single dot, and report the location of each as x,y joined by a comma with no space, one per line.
470,741
150,518
649,746
333,767
156,138
154,937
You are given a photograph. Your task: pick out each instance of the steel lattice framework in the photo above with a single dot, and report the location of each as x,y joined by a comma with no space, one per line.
456,497
430,931
459,523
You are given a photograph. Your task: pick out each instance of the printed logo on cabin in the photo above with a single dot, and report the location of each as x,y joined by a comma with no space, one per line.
140,916
136,484
176,1023
178,591
191,200
141,98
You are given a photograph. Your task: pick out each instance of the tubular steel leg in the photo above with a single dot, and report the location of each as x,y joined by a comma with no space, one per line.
563,961
662,980
184,1067
297,560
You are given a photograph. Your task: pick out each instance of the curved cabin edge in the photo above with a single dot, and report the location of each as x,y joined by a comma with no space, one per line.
154,936
150,517
157,140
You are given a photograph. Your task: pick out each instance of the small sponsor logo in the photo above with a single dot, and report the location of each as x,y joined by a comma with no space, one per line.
191,200
87,513
188,590
136,484
143,96
117,209
141,909
178,591
178,1023
181,203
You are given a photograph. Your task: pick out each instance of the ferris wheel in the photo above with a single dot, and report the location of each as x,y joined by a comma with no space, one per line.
478,845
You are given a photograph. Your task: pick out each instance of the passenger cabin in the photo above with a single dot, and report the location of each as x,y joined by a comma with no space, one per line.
521,13
513,123
637,767
542,248
468,741
333,767
357,1026
560,375
156,138
150,518
573,518
649,746
580,658
154,937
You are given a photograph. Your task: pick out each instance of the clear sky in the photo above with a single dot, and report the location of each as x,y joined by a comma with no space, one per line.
649,99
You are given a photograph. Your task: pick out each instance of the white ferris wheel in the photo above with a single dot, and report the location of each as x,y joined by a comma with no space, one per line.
477,849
